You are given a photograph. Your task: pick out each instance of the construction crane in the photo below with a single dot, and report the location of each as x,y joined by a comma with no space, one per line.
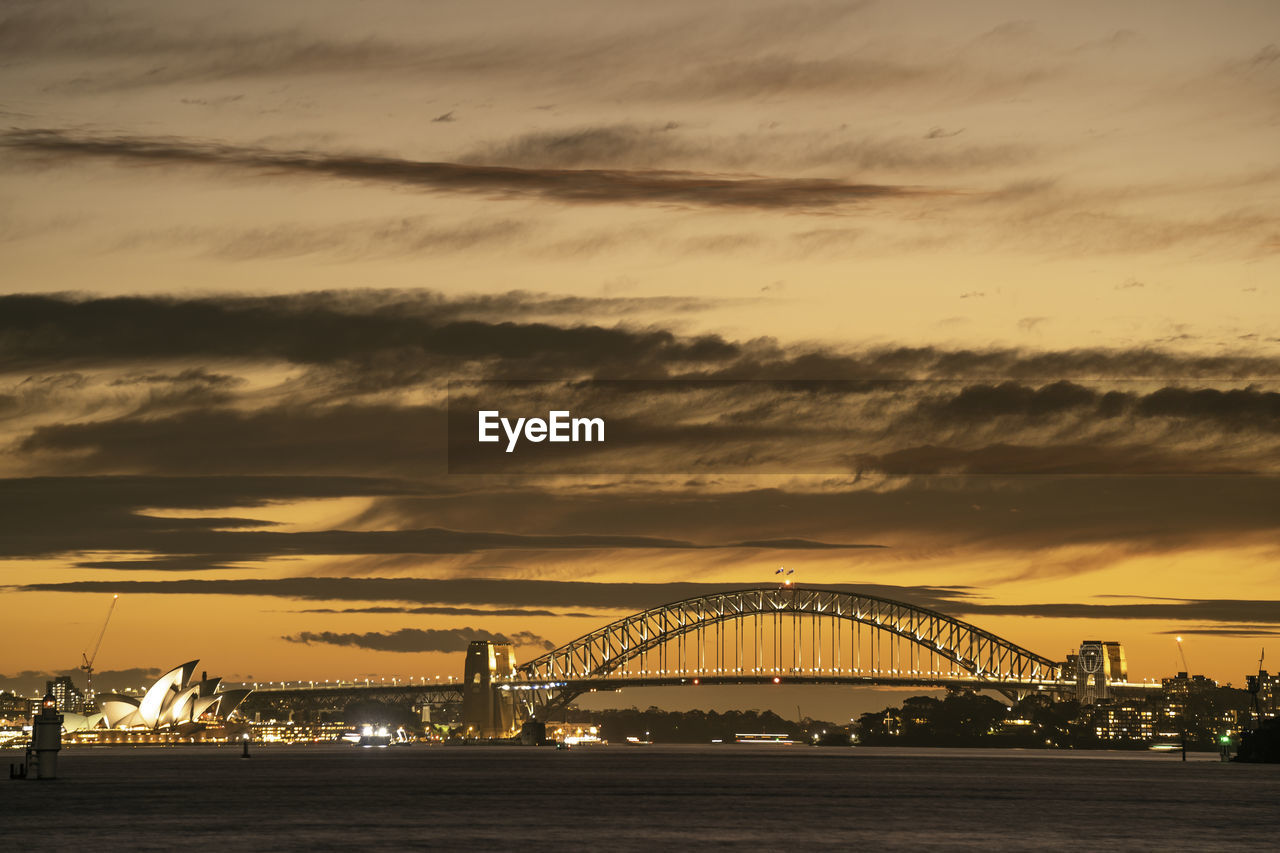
88,659
1183,655
1253,683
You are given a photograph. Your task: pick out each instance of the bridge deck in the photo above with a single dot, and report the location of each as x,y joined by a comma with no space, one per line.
613,683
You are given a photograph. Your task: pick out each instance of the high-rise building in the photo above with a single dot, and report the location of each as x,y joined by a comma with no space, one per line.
1268,692
67,695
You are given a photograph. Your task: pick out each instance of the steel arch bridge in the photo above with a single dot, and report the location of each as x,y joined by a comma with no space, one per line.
781,634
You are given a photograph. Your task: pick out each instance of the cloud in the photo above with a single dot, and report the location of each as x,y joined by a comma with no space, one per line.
1234,408
491,591
632,597
607,186
439,610
979,402
353,327
779,73
149,386
29,682
420,640
1028,517
1246,632
1260,611
1237,407
349,241
326,328
115,520
672,145
1053,459
47,516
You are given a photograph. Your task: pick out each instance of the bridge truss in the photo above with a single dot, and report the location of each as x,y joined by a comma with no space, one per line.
781,634
284,702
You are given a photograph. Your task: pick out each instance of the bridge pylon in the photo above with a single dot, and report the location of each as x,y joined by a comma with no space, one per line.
487,711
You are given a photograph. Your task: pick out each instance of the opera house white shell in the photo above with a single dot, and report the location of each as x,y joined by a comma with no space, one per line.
173,701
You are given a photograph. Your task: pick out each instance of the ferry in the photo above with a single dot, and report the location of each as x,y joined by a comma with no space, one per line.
371,737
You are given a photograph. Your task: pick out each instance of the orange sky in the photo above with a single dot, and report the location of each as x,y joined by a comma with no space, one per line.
1056,225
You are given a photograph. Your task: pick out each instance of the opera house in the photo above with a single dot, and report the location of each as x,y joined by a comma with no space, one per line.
173,703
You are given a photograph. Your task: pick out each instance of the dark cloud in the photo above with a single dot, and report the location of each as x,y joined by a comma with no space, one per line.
420,640
439,610
986,401
328,328
638,596
30,682
194,375
905,413
416,329
563,185
1259,611
1237,406
40,526
1053,459
995,364
1031,516
1245,632
671,145
717,429
521,593
47,516
294,439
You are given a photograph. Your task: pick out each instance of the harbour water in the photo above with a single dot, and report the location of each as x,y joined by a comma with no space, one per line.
639,798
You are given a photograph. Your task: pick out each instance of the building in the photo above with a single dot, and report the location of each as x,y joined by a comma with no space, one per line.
1125,721
1268,693
291,732
15,710
66,694
1181,693
173,702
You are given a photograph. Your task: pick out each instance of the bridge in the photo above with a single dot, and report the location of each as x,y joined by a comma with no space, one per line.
774,634
268,701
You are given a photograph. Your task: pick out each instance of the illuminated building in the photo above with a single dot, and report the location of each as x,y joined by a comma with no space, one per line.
291,732
172,702
14,709
1125,721
575,734
1268,693
66,694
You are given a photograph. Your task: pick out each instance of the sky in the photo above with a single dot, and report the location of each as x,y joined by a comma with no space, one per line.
1009,270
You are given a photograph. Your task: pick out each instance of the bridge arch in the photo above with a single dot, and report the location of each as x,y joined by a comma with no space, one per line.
614,651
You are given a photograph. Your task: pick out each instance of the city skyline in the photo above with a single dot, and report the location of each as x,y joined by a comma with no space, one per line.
1009,269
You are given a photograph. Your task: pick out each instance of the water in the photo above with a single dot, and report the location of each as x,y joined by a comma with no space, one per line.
638,798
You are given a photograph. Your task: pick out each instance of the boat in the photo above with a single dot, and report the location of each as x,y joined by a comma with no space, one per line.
371,737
